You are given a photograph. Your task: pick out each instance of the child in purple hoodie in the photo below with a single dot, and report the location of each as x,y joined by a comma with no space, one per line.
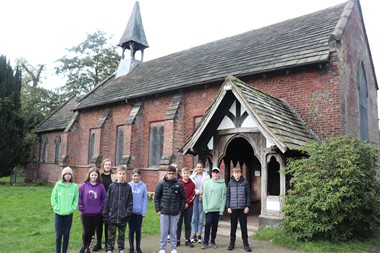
92,195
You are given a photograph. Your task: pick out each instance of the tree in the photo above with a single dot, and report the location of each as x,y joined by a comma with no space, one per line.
11,123
87,64
334,193
32,74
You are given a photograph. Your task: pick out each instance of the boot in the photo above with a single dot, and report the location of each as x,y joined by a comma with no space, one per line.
231,246
97,247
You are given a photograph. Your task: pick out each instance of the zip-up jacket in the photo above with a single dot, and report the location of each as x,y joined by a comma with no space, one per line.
91,198
118,205
238,194
64,198
169,197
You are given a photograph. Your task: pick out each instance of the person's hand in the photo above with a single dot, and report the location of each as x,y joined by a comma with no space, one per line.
229,210
186,206
246,210
158,213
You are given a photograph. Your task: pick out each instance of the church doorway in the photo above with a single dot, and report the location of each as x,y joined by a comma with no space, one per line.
239,153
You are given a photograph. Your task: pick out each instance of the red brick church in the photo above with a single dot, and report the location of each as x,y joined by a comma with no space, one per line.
249,100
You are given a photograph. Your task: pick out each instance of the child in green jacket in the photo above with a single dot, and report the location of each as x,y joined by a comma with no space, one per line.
64,200
214,200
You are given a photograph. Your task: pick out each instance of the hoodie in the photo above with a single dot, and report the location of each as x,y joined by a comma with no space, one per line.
91,198
214,196
140,198
64,198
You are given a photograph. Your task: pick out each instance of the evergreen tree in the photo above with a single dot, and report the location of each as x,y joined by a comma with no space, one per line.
11,124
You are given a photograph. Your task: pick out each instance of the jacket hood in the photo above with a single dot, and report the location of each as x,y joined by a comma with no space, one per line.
219,181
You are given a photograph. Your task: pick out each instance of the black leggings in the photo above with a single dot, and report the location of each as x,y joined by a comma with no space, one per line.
99,232
89,224
135,223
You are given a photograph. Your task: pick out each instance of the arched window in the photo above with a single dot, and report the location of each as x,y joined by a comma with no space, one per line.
156,145
363,104
57,149
44,150
273,177
120,145
91,147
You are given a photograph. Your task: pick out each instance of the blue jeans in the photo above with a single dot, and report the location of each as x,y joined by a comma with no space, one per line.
197,220
62,229
212,220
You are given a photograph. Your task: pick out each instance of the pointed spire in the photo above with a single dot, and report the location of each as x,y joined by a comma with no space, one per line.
134,36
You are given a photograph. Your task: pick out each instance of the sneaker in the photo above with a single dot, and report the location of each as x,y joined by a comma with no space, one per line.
247,248
189,244
168,239
81,250
178,243
194,238
199,239
173,251
213,245
204,245
162,251
121,251
138,250
110,251
231,246
131,251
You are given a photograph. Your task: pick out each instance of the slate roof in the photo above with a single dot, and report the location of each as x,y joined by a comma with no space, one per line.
60,119
276,118
292,43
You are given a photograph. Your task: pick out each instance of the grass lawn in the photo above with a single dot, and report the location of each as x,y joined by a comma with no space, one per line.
27,225
27,220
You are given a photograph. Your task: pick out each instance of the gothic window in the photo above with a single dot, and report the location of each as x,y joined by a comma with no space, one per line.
57,149
363,104
91,147
156,145
120,145
44,150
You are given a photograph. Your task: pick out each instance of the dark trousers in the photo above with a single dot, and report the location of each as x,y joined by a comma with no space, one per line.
185,217
89,224
212,220
99,232
62,229
135,224
235,216
112,235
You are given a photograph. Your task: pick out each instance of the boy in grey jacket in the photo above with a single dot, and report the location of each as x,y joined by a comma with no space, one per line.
238,203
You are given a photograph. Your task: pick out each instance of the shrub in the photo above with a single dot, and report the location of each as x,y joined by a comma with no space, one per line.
334,194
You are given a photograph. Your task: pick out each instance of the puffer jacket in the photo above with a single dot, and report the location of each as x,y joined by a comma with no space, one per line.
169,197
118,205
238,194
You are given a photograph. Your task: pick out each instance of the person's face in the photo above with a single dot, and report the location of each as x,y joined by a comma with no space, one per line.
185,175
93,176
176,167
215,175
107,166
170,175
67,177
237,175
199,168
136,177
121,176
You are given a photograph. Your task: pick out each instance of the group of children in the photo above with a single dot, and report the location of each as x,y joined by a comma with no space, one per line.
100,202
201,196
178,199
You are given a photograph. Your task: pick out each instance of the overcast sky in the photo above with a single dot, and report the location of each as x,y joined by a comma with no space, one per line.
41,30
